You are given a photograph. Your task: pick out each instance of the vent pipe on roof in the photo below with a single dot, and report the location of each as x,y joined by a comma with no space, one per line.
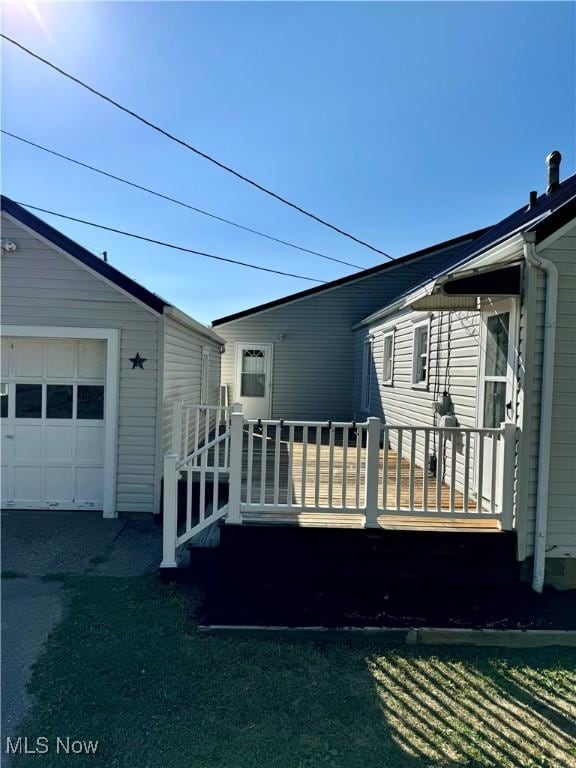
553,161
533,200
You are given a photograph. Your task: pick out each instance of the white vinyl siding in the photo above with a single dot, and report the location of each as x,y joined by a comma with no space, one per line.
452,363
367,366
189,359
41,286
313,375
561,535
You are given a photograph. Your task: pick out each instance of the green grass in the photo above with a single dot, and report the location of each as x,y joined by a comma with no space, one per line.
127,667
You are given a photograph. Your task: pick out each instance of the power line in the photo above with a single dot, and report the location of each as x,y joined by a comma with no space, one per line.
170,245
197,151
174,200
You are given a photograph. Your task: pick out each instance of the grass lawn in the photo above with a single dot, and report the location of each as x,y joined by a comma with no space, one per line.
128,668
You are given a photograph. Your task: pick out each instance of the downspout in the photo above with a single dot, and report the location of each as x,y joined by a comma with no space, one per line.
535,261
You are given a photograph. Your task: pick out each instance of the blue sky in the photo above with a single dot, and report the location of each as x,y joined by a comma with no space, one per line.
404,123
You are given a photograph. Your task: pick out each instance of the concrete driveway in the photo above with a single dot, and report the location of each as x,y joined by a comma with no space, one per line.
38,546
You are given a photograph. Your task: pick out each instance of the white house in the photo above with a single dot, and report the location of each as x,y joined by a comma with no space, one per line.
91,364
447,406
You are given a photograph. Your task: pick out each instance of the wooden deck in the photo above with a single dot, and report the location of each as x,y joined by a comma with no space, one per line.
334,500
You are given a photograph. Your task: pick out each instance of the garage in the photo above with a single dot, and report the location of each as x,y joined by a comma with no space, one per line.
53,423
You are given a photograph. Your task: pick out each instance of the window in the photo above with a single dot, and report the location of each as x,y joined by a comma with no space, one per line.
28,401
367,375
253,381
388,358
421,354
496,369
90,403
205,380
59,401
3,401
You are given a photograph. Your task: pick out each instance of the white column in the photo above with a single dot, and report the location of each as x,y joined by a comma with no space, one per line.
177,415
508,471
235,486
170,512
372,471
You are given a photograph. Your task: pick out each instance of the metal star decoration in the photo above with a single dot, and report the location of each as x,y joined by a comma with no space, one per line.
137,361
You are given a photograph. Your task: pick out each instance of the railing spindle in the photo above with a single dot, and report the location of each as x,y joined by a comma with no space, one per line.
425,471
202,506
188,497
493,473
330,464
412,466
250,463
263,464
385,469
399,471
480,479
344,466
358,464
290,465
215,478
453,471
439,470
304,466
317,478
277,435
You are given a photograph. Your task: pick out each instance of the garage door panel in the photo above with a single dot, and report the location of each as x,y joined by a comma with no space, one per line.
91,360
28,484
89,484
60,359
59,484
89,443
59,443
28,442
28,359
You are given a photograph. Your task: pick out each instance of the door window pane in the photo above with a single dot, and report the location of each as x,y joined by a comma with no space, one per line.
497,328
28,401
494,403
90,402
253,376
59,401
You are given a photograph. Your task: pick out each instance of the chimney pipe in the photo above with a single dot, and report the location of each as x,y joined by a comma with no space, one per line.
553,161
533,200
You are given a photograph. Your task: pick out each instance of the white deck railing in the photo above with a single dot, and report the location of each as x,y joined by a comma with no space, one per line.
321,468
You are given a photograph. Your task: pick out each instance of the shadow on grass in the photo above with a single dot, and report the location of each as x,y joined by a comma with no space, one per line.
128,668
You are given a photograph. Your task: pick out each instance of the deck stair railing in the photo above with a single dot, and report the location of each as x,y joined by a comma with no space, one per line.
250,470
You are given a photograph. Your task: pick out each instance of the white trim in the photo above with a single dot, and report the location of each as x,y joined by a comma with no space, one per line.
159,442
388,335
112,338
205,376
367,365
81,264
416,326
547,242
188,322
267,345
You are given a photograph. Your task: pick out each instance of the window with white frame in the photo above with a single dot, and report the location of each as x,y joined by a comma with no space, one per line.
205,377
366,374
388,358
421,353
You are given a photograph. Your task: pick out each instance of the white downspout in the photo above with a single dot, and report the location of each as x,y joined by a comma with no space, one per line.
546,397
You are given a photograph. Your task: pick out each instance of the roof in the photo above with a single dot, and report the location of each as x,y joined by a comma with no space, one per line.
545,216
351,278
96,264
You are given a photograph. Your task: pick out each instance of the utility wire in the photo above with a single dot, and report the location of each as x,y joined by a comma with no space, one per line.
197,151
170,245
174,200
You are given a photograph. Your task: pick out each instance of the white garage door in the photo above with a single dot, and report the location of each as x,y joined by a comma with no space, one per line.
52,423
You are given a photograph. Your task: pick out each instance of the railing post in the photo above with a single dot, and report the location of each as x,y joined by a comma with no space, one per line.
508,471
235,459
372,472
170,511
177,415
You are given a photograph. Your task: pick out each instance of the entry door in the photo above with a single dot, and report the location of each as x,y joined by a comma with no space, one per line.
254,379
496,400
52,423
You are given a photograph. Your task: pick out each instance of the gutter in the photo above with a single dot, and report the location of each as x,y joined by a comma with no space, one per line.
534,261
